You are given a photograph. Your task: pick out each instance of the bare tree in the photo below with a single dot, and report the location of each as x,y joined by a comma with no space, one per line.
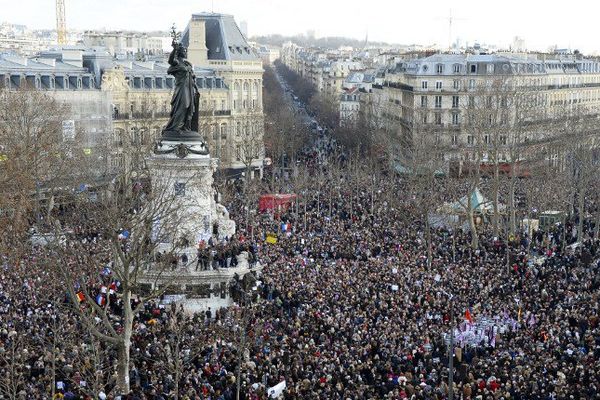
327,108
41,166
424,162
150,220
248,142
12,366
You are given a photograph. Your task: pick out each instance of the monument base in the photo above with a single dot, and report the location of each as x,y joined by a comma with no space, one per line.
195,290
181,172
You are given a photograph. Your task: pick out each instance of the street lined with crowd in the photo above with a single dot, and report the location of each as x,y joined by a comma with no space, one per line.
348,306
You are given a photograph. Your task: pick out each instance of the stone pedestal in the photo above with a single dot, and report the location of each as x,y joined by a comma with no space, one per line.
181,173
185,170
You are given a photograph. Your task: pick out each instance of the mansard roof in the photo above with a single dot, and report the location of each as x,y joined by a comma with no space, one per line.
89,64
224,39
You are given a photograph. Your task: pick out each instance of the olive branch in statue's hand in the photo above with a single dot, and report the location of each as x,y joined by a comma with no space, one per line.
175,36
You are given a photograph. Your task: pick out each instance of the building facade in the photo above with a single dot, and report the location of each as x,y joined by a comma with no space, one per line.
464,100
123,42
350,107
135,95
216,43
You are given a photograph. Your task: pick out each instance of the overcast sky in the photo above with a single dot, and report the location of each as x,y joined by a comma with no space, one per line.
540,23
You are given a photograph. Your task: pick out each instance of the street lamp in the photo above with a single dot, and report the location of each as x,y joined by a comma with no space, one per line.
450,347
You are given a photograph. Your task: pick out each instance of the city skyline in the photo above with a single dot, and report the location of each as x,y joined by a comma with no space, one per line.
424,24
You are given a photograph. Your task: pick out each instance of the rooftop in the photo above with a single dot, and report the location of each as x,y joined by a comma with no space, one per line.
224,39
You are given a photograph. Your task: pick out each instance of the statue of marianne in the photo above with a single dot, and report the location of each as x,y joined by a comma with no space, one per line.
184,103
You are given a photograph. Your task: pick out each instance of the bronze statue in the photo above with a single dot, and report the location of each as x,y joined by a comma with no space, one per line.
184,104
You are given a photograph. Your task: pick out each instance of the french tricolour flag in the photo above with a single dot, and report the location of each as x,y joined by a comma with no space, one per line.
100,300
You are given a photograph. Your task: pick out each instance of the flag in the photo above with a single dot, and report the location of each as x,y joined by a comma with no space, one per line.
100,300
468,316
113,287
106,271
271,239
80,296
277,390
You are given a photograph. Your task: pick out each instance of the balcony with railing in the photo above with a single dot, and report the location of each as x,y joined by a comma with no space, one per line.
120,116
215,113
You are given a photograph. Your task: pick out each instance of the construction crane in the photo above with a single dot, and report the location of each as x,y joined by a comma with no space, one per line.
61,27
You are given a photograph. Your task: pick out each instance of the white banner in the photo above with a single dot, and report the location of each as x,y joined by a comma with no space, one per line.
276,390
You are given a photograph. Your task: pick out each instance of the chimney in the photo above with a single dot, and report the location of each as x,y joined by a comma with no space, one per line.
197,50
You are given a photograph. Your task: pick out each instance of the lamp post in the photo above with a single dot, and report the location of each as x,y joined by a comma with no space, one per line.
451,347
451,354
242,344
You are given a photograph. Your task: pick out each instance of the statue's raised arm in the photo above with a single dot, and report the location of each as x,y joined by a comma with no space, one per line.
173,55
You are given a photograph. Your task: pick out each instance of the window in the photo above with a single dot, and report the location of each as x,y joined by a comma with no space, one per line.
222,104
471,101
438,85
490,68
438,118
455,139
470,140
486,139
455,119
440,68
179,188
471,83
424,117
456,68
423,84
438,101
456,84
455,101
223,131
423,101
503,140
473,68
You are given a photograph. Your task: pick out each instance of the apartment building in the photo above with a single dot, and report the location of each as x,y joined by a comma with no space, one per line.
440,95
216,43
123,42
349,107
326,70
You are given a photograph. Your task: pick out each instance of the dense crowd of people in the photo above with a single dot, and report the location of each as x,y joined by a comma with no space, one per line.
349,306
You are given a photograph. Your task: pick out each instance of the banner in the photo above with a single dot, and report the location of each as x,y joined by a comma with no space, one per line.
276,390
271,239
